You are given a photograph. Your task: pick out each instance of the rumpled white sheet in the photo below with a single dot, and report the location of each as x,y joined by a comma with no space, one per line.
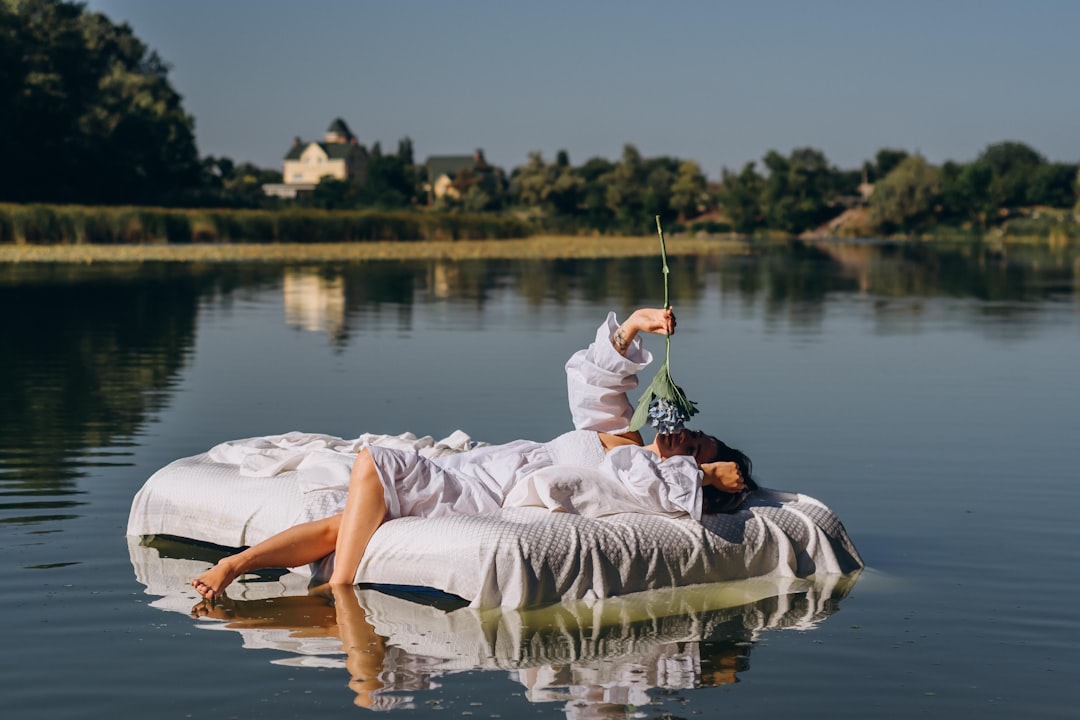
323,463
271,455
596,494
515,557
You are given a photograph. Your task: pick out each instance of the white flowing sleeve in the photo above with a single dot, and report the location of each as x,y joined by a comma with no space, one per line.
598,379
671,485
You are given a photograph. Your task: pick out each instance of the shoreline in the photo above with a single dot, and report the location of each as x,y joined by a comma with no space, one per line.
535,248
544,247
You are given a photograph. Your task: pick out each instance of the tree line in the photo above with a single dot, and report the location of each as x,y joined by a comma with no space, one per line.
902,192
89,117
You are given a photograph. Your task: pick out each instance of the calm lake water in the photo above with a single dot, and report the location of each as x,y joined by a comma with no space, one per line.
930,396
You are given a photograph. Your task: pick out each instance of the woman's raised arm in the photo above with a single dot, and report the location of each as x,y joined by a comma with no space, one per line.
650,320
599,376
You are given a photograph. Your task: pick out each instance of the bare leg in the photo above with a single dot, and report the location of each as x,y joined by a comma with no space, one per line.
299,545
365,510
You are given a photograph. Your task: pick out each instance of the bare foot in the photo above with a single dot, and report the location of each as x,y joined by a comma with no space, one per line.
212,583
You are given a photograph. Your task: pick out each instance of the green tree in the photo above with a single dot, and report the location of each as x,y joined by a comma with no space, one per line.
689,191
405,151
227,184
1052,184
476,200
554,189
740,197
1076,189
907,198
88,112
533,180
567,192
391,179
332,194
965,192
798,190
624,190
847,182
659,179
488,179
885,160
1012,166
593,176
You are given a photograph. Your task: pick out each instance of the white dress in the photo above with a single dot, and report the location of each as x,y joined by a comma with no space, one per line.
524,472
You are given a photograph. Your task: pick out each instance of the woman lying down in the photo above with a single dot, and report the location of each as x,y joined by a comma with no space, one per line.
687,471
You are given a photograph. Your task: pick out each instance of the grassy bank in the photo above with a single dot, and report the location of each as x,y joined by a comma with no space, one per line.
541,247
80,234
82,225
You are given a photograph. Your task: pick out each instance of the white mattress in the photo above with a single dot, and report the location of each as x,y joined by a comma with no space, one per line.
516,557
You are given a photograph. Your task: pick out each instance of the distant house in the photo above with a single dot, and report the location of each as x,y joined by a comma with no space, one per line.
443,172
339,156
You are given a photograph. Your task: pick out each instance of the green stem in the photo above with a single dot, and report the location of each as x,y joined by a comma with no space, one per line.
663,257
667,297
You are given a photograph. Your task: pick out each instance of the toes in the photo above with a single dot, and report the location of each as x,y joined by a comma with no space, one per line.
203,589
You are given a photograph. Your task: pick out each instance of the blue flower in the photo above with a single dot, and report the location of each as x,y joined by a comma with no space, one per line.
666,416
663,405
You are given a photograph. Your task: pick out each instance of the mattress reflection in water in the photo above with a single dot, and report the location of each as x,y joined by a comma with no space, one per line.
395,642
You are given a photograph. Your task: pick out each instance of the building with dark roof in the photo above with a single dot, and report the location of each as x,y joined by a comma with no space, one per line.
443,169
339,155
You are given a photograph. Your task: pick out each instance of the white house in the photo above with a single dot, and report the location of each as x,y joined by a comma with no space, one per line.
338,156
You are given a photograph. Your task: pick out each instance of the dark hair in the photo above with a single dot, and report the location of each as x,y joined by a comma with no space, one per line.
714,500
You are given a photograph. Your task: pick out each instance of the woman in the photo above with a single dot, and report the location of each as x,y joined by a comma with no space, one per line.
687,471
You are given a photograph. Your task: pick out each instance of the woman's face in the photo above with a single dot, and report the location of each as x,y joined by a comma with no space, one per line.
694,443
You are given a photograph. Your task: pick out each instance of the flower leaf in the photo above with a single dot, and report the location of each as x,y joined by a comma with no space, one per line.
677,408
641,414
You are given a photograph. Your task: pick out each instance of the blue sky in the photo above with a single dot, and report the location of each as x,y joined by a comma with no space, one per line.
718,82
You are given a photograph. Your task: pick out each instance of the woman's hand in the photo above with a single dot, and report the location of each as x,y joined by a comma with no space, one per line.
650,320
723,476
653,320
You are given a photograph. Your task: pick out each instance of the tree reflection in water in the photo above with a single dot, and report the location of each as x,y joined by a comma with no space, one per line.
792,281
598,659
94,352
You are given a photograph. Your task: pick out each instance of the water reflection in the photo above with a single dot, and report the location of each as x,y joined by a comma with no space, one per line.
91,353
85,361
596,659
791,282
979,271
314,302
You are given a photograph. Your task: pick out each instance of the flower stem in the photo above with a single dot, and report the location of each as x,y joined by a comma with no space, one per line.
667,297
663,258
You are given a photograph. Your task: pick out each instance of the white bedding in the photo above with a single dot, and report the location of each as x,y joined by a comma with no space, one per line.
515,557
